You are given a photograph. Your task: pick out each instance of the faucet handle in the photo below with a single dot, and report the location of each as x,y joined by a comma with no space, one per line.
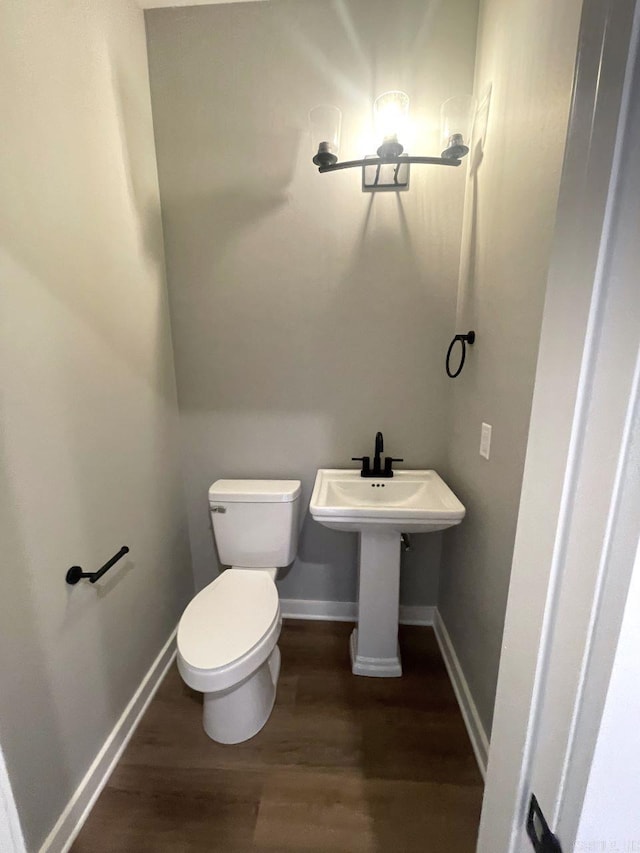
388,462
365,464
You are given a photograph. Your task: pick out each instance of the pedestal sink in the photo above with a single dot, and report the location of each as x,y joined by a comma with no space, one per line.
380,510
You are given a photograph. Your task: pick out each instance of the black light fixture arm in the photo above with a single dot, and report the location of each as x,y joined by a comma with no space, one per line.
381,161
76,574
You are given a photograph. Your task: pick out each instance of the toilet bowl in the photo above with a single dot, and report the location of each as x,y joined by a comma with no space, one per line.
228,634
227,650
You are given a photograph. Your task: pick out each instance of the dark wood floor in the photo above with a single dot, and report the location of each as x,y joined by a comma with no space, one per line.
344,763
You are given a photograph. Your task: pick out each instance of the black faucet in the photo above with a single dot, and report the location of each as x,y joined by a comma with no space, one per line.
377,470
378,452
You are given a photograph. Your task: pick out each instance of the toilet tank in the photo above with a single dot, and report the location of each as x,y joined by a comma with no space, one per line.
255,522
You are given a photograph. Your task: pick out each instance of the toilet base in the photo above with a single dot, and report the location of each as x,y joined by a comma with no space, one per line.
237,714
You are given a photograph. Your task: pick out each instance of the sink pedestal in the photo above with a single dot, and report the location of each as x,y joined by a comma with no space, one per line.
374,643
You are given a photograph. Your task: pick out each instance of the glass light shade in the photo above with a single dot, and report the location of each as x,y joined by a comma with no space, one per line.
390,113
456,119
325,122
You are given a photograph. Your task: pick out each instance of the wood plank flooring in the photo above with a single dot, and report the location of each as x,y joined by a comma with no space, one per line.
345,764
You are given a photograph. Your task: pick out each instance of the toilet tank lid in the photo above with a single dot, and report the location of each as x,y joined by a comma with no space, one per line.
254,491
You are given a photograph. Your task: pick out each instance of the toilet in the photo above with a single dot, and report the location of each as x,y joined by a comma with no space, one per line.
228,634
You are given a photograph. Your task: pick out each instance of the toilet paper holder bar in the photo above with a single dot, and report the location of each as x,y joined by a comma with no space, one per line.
75,573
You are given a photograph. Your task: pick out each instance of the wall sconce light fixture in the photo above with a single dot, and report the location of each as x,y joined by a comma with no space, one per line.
388,169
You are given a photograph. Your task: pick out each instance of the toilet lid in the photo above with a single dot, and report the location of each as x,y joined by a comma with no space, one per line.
227,618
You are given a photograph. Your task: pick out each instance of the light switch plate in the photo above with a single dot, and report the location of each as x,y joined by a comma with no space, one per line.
485,440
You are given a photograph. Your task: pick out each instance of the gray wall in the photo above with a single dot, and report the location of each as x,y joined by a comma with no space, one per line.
526,55
306,314
88,408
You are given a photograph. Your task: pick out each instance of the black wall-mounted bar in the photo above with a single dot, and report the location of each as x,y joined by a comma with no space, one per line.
381,161
75,573
469,338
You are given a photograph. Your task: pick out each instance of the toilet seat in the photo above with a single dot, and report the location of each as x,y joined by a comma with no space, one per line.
228,630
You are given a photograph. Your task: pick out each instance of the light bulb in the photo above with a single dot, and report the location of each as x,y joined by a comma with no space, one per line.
391,111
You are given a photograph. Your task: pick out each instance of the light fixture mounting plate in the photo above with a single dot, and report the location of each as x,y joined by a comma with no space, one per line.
385,177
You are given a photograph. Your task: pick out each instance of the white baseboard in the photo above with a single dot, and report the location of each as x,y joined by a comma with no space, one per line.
347,611
475,729
326,611
417,614
72,818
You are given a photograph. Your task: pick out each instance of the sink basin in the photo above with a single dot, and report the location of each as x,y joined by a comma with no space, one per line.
410,501
380,510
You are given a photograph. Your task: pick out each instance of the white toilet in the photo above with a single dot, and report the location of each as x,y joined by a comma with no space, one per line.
228,633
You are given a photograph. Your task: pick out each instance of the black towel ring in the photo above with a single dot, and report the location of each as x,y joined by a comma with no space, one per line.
469,338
